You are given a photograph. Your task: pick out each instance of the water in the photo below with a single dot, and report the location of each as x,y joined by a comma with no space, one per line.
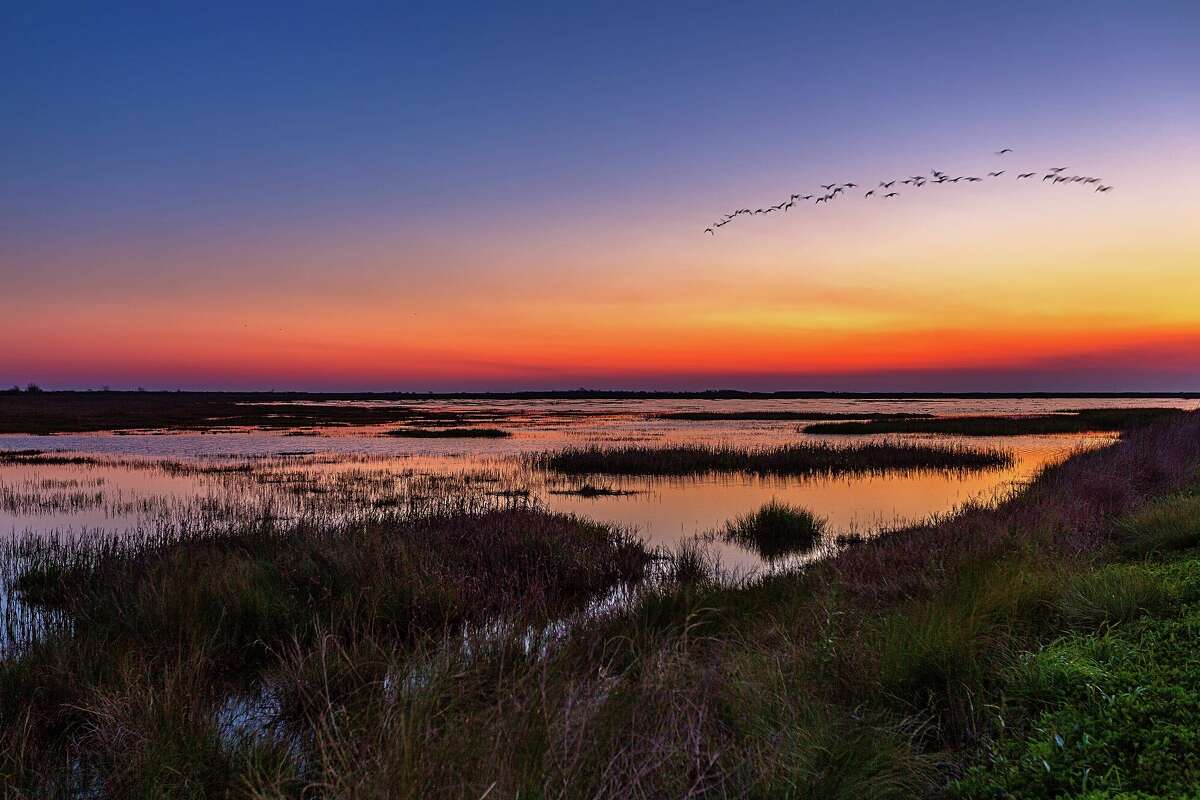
145,477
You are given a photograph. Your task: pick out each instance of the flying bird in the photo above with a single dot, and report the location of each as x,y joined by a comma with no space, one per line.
832,190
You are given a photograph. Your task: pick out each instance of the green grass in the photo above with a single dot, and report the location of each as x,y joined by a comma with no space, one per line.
1113,708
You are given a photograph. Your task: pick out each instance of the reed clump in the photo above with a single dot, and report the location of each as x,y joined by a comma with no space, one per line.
806,458
776,530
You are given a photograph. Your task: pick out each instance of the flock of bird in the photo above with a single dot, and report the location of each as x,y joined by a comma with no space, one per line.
831,191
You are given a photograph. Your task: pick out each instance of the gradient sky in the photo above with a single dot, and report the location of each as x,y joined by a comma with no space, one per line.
458,196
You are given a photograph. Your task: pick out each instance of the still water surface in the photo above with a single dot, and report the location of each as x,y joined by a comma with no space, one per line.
125,491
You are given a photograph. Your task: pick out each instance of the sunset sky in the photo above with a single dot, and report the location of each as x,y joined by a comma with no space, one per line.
457,196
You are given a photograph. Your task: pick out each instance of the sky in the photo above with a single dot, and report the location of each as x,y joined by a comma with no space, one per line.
467,196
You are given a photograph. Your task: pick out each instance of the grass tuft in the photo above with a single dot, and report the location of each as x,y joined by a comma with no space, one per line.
776,530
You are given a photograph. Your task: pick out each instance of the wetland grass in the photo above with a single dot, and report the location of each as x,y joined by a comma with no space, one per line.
588,490
1081,421
940,659
784,416
449,433
776,530
794,459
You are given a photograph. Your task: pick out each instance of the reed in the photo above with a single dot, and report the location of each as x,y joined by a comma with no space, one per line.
793,459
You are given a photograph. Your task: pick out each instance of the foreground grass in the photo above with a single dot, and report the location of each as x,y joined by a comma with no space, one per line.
1112,708
885,672
1082,421
793,459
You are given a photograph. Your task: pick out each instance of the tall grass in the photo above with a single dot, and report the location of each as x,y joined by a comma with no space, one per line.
792,459
429,657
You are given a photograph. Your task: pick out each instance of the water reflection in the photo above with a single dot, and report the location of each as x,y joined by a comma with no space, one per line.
130,486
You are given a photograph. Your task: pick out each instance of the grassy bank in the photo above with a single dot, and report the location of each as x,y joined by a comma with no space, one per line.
920,664
1083,421
794,459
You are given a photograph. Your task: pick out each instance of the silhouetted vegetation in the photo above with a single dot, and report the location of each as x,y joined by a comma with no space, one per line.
449,433
588,490
73,412
782,416
1084,421
776,530
69,412
794,459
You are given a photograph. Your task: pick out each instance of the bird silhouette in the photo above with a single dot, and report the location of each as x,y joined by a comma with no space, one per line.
832,190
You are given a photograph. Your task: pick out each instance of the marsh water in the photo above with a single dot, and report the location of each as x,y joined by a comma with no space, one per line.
138,480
